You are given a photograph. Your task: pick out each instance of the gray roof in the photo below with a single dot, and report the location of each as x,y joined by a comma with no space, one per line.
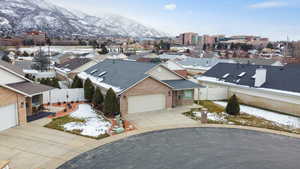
203,62
121,73
255,61
74,63
24,64
182,84
285,78
12,68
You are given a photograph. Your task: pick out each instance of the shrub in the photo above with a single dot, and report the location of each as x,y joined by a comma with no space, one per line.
111,104
98,99
88,90
233,106
77,83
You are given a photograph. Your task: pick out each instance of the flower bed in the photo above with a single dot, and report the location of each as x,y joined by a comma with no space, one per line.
84,121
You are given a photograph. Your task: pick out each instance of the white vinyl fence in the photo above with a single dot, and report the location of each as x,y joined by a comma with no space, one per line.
213,93
63,95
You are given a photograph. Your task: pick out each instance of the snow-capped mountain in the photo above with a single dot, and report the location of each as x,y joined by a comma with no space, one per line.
24,15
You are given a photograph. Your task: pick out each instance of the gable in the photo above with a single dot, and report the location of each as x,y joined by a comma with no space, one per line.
162,73
8,77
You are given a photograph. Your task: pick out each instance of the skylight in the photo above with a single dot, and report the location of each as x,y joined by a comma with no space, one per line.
67,65
242,74
226,75
101,74
94,71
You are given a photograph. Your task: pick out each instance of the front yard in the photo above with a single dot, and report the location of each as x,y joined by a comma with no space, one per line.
216,115
84,121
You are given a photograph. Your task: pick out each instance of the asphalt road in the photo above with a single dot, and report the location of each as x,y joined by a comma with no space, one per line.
194,148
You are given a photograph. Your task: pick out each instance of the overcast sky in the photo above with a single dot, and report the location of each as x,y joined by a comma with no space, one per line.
276,19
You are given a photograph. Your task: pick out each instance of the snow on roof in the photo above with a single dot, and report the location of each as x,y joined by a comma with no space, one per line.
98,81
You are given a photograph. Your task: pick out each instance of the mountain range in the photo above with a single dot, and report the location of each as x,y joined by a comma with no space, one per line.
18,16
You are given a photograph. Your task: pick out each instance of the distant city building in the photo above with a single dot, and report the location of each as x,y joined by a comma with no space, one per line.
189,38
35,37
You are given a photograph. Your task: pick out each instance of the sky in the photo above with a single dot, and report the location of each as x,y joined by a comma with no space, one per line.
275,19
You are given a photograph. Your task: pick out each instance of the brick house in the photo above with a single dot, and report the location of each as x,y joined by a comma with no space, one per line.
141,86
18,96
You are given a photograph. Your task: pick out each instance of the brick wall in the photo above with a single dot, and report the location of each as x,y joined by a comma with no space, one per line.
147,87
8,97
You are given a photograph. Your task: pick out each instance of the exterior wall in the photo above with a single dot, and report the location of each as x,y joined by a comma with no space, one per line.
147,87
7,77
279,102
162,73
8,97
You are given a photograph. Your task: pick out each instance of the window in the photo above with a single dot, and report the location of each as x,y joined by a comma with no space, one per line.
188,94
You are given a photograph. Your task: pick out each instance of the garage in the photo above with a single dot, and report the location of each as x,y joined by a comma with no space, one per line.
9,117
146,103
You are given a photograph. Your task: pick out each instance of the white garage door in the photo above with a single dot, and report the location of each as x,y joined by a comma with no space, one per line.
146,103
8,117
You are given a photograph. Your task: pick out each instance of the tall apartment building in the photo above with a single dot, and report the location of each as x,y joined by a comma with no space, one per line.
189,38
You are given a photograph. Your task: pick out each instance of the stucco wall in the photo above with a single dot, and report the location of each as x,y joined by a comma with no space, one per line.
8,97
147,87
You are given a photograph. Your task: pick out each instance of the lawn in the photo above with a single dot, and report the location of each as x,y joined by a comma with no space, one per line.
84,121
216,115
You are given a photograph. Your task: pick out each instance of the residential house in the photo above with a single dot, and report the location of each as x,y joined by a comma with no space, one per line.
172,65
141,86
19,97
69,69
268,87
200,65
258,61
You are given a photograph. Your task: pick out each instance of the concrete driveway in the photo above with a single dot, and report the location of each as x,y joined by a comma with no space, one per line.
162,118
33,146
194,148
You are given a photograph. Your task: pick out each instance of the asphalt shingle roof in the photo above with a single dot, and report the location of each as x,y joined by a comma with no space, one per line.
74,63
182,84
30,88
12,68
285,78
121,73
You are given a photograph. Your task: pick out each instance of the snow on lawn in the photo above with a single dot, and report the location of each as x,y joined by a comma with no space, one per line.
282,119
94,124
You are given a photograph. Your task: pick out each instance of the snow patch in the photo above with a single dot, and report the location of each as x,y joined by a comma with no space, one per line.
94,124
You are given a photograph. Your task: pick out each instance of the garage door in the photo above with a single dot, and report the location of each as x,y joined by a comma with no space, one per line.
146,103
8,117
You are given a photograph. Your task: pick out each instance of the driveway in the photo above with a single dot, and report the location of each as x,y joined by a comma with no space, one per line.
33,146
193,148
162,118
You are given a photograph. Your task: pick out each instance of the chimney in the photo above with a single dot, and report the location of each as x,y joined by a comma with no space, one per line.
260,76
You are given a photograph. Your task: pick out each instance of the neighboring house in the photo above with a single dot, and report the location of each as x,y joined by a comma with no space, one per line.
200,65
141,86
71,68
172,57
18,96
258,61
269,87
172,65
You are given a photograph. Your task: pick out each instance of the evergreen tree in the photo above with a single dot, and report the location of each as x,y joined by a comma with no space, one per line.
270,45
77,83
111,104
88,90
233,106
103,49
98,98
6,59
